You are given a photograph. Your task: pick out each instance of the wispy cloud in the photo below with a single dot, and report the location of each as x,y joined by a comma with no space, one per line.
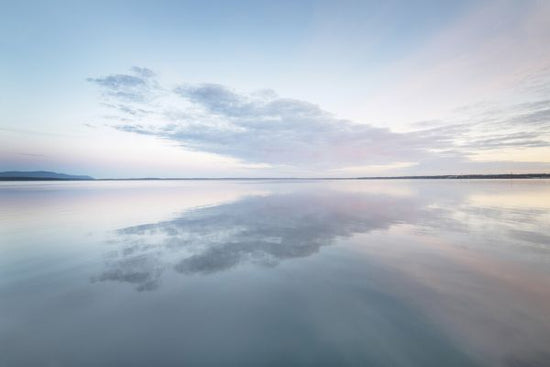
128,87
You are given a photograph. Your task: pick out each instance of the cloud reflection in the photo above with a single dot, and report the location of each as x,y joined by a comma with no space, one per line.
266,230
262,230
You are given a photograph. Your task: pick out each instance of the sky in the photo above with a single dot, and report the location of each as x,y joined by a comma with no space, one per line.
117,89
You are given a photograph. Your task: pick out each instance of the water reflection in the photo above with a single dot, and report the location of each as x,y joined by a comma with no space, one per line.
325,273
263,230
267,229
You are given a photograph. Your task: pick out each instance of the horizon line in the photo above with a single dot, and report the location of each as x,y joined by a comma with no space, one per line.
16,177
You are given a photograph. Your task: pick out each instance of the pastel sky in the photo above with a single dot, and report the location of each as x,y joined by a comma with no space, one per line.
275,88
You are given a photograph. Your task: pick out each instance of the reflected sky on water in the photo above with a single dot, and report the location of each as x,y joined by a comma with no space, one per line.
298,273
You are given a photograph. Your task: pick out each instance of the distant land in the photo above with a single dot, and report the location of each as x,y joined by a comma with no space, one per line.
39,176
54,176
463,177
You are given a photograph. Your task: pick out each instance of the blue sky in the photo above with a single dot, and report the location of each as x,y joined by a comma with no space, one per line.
263,88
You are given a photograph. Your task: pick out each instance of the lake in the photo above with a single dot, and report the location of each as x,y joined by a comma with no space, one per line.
275,273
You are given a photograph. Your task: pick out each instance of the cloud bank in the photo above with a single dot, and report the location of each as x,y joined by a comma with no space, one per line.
264,128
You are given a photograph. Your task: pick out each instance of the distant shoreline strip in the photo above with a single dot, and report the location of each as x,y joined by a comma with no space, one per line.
436,177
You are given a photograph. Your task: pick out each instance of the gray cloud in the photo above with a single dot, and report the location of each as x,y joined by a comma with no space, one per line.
537,117
127,87
262,127
269,129
522,139
118,81
143,72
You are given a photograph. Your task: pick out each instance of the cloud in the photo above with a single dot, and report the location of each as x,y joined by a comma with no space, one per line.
539,117
127,87
264,128
526,139
260,127
523,125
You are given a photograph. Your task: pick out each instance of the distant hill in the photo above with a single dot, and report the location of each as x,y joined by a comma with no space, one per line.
39,175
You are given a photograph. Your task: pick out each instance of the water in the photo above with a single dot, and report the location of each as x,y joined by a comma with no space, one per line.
275,273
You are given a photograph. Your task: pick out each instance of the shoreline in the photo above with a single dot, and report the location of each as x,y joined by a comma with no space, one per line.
434,177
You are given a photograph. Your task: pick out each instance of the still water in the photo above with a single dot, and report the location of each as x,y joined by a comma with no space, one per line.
275,273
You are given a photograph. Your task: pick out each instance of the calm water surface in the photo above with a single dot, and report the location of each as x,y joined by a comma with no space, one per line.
275,273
